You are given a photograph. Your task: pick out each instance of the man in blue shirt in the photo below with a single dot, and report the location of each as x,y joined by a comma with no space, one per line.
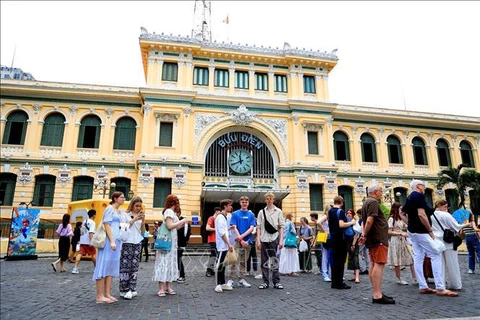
244,222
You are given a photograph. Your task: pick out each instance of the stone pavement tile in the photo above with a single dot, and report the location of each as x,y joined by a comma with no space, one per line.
41,291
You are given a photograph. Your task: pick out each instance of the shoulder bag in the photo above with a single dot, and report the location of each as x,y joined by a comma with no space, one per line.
164,239
448,235
268,226
290,239
100,237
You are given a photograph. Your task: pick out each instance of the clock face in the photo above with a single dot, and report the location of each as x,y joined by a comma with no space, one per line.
240,161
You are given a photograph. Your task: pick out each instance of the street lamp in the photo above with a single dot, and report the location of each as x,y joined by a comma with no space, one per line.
387,194
101,185
130,194
31,203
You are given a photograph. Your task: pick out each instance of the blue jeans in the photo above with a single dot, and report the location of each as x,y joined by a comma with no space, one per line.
473,247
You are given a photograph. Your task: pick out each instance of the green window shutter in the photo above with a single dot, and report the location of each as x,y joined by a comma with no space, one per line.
6,133
316,197
221,78
241,79
53,130
200,76
16,128
7,188
82,188
121,184
341,146
161,189
44,190
280,83
166,134
309,84
312,142
169,71
261,81
125,134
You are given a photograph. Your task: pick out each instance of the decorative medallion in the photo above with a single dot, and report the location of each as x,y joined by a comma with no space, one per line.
241,115
26,174
330,181
302,181
179,177
64,175
146,175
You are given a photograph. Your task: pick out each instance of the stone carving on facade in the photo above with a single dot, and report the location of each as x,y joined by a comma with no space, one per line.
242,116
302,181
8,152
295,118
123,156
146,109
454,137
36,108
101,178
330,181
202,120
109,113
146,175
406,132
279,126
187,110
360,186
25,175
381,130
355,128
64,175
73,110
167,117
179,177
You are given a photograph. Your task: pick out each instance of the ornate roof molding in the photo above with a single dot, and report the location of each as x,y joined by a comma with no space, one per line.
286,51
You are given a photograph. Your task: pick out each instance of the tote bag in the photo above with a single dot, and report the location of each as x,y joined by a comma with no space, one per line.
231,258
321,237
100,237
164,239
290,240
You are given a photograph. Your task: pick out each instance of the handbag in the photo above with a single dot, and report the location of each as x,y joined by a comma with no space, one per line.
100,237
164,239
290,239
321,237
448,235
268,226
231,258
124,230
348,231
303,246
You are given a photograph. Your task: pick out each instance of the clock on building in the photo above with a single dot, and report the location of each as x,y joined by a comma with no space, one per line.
240,161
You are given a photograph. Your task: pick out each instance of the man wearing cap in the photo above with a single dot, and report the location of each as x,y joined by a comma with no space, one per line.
418,213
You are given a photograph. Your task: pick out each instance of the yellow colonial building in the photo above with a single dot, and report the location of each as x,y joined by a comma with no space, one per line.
215,121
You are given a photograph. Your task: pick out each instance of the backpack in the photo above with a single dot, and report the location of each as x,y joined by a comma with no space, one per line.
84,229
348,231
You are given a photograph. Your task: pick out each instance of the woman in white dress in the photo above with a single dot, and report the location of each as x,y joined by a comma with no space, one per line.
398,253
288,256
451,269
166,265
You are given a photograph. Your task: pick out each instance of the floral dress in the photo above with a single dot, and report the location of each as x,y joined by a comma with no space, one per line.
398,253
166,265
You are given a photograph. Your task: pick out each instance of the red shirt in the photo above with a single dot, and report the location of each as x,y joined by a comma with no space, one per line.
211,235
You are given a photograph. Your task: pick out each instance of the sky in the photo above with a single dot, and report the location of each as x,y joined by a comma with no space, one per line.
405,55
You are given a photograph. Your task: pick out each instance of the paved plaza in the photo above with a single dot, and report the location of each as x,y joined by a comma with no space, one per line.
31,290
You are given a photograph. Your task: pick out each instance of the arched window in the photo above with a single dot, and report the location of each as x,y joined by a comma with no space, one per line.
466,153
15,128
429,196
44,190
122,185
89,135
369,152
394,150
125,133
7,188
82,188
53,128
341,146
419,154
443,153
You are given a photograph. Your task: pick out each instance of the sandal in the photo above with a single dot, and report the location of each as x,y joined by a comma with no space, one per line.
53,266
427,291
171,292
447,293
263,286
278,286
161,294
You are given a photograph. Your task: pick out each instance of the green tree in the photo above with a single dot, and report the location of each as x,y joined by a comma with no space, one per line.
470,179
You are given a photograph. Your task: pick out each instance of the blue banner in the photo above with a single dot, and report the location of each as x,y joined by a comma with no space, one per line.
23,232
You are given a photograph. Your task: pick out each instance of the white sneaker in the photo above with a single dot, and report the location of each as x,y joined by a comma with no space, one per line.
134,293
470,271
327,279
122,294
218,288
230,283
244,283
75,271
258,276
415,281
227,287
402,282
128,295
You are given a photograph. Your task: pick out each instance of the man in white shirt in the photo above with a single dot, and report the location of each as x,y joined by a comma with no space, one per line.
270,223
223,244
86,234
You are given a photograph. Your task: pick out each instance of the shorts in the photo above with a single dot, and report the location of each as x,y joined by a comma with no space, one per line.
378,254
86,249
